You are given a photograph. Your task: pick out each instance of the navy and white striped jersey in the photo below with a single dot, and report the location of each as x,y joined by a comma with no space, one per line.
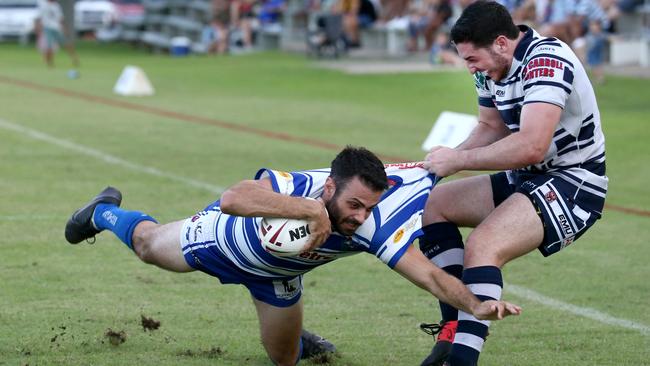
389,230
545,70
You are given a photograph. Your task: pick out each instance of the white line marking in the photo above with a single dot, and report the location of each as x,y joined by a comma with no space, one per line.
590,313
108,158
518,291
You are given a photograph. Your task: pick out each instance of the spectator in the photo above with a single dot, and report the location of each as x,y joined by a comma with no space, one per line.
427,20
357,14
596,40
215,37
444,52
241,21
629,6
51,34
271,12
393,9
554,18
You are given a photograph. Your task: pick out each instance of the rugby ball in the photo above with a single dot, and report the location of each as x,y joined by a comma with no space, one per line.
284,237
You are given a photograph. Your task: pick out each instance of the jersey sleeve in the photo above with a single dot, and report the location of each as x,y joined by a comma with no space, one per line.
304,184
483,90
547,75
397,219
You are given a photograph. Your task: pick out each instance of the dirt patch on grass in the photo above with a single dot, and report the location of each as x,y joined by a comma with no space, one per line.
149,324
115,337
213,352
323,358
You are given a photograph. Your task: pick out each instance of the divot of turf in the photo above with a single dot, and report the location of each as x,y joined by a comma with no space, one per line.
149,324
115,338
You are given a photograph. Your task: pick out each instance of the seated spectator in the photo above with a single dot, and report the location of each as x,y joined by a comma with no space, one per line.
393,9
271,11
443,52
523,11
553,18
357,14
426,20
629,6
596,41
214,37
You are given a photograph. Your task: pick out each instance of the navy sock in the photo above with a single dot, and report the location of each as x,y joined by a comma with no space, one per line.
443,245
486,283
121,222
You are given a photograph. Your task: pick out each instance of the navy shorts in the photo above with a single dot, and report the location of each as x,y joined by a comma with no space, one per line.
198,243
566,212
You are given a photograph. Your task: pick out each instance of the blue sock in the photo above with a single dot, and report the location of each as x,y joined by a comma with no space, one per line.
108,216
486,283
443,245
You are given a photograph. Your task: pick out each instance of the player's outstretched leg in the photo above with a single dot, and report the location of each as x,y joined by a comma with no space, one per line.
80,226
314,345
104,212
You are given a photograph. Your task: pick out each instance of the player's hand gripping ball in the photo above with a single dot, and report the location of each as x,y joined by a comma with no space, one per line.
284,237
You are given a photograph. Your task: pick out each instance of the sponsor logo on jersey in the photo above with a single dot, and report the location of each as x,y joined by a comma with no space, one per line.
501,93
564,224
287,289
198,230
409,165
198,215
566,242
408,226
550,196
528,185
398,236
542,67
285,175
479,80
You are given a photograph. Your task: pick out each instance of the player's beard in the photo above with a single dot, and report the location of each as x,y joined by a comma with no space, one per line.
501,65
337,219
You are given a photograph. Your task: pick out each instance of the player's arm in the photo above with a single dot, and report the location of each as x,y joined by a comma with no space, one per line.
517,150
490,128
415,267
256,198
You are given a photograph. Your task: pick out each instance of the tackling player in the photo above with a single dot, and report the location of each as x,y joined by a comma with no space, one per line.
539,122
362,207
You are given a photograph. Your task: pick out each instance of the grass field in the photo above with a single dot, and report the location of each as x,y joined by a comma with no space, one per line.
63,140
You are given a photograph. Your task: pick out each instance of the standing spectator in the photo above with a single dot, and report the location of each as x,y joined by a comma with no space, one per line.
51,37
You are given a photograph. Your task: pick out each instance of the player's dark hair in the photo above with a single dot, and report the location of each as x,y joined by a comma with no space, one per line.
358,162
482,22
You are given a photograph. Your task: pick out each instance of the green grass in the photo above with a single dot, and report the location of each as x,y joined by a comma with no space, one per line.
370,312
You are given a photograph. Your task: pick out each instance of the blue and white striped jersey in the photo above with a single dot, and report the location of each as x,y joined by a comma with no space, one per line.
546,70
392,226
